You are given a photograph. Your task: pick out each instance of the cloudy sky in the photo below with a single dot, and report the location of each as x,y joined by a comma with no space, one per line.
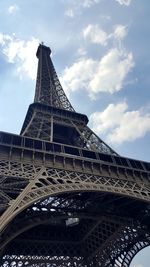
100,49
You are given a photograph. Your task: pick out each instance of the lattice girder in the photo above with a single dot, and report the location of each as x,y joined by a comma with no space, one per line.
41,122
51,181
121,247
48,88
59,169
32,219
129,240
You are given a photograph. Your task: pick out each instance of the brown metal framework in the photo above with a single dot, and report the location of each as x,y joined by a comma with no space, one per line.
67,198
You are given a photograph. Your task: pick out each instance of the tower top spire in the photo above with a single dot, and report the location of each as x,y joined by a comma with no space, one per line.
48,88
43,47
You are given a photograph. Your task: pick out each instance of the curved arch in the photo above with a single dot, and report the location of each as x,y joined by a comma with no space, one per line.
62,202
133,251
128,242
50,182
129,251
38,193
138,243
27,225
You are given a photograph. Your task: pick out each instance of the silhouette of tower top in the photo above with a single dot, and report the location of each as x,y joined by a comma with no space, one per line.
40,49
48,88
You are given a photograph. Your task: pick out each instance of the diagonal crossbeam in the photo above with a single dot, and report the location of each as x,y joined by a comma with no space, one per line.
59,164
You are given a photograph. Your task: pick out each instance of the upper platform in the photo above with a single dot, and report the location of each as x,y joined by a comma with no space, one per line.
53,111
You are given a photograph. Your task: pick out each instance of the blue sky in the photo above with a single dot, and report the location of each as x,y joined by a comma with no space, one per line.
100,49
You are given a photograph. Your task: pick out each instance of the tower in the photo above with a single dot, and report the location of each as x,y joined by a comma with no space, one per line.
66,198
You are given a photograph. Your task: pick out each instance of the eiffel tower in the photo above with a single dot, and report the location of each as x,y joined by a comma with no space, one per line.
66,198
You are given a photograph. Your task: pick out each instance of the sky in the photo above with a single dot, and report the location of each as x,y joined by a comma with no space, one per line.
100,50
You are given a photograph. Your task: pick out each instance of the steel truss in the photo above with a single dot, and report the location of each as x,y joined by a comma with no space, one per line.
89,252
67,198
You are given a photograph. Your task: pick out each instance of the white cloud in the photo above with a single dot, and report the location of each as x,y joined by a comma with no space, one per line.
120,32
105,17
13,9
81,52
21,53
89,3
95,76
95,34
76,6
69,13
78,75
4,38
119,124
124,2
111,72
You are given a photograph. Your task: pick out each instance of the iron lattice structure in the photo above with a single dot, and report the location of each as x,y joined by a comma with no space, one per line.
66,198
